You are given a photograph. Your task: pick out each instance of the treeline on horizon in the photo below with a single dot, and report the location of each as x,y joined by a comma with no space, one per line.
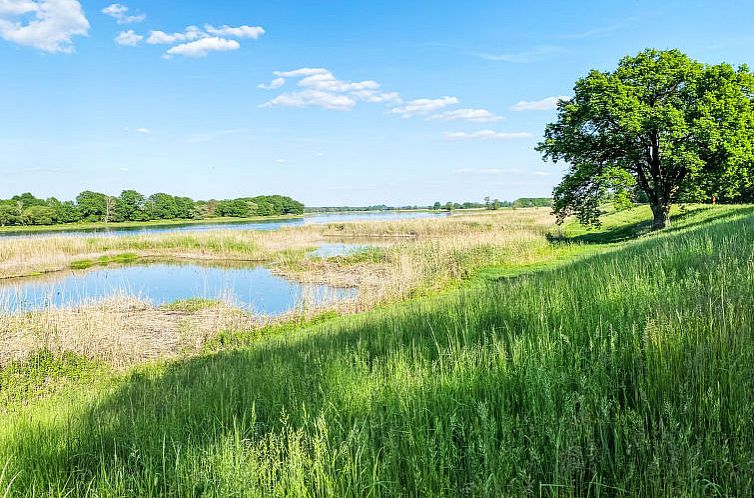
521,202
130,205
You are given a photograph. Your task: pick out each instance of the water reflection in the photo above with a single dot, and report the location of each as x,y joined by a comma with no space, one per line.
254,289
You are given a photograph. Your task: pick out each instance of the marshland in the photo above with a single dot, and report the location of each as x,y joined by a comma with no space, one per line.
551,343
376,249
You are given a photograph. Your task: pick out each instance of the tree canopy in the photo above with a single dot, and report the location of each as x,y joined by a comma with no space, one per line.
130,205
661,127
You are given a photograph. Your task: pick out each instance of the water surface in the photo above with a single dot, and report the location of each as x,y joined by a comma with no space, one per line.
264,225
254,289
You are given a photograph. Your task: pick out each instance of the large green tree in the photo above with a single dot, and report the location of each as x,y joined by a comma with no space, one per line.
662,127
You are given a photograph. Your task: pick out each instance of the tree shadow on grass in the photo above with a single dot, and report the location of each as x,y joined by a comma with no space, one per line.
635,230
161,432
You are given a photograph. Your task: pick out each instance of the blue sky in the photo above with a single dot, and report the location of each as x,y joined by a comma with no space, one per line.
333,103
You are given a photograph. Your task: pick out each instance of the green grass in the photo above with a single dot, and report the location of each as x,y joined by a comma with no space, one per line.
191,305
625,373
123,258
632,223
44,373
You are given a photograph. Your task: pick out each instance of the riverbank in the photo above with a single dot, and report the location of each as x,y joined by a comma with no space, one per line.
94,226
631,357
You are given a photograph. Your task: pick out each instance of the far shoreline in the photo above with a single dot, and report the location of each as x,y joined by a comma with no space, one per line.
100,225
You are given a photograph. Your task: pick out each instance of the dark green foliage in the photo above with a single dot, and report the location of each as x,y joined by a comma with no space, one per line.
662,126
131,206
528,202
92,205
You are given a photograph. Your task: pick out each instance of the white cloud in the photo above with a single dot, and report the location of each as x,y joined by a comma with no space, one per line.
252,32
203,46
129,38
276,83
474,115
313,98
320,88
304,71
142,130
54,23
374,97
487,135
17,7
119,12
546,104
423,106
160,37
280,161
327,82
195,42
319,154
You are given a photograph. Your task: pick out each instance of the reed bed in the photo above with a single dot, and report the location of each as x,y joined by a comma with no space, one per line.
425,255
33,255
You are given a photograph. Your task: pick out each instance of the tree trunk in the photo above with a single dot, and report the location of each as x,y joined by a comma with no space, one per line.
661,214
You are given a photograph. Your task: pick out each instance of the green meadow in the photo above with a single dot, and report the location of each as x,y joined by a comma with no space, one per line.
621,367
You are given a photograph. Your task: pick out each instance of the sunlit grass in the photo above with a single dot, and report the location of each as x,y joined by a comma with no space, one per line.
626,372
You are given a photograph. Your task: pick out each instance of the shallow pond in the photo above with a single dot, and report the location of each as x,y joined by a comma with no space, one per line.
254,289
314,219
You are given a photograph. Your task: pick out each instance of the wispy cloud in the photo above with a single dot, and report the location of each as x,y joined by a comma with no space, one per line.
194,41
533,55
47,25
128,38
609,28
313,98
545,104
593,32
420,107
252,32
487,135
203,46
272,85
473,115
119,12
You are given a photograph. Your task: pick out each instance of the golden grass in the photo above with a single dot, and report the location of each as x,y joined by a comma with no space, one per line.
34,255
427,254
413,256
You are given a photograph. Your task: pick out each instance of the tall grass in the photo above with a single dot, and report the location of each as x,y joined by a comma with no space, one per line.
628,373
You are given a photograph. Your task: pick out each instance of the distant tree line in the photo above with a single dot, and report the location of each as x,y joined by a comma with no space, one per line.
130,205
494,204
488,203
343,209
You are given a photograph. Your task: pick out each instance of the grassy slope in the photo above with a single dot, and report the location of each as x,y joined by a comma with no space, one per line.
627,372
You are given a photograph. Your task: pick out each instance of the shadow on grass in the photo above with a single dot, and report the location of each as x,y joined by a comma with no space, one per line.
687,219
377,392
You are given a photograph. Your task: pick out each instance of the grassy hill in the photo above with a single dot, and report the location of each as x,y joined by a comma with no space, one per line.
625,372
